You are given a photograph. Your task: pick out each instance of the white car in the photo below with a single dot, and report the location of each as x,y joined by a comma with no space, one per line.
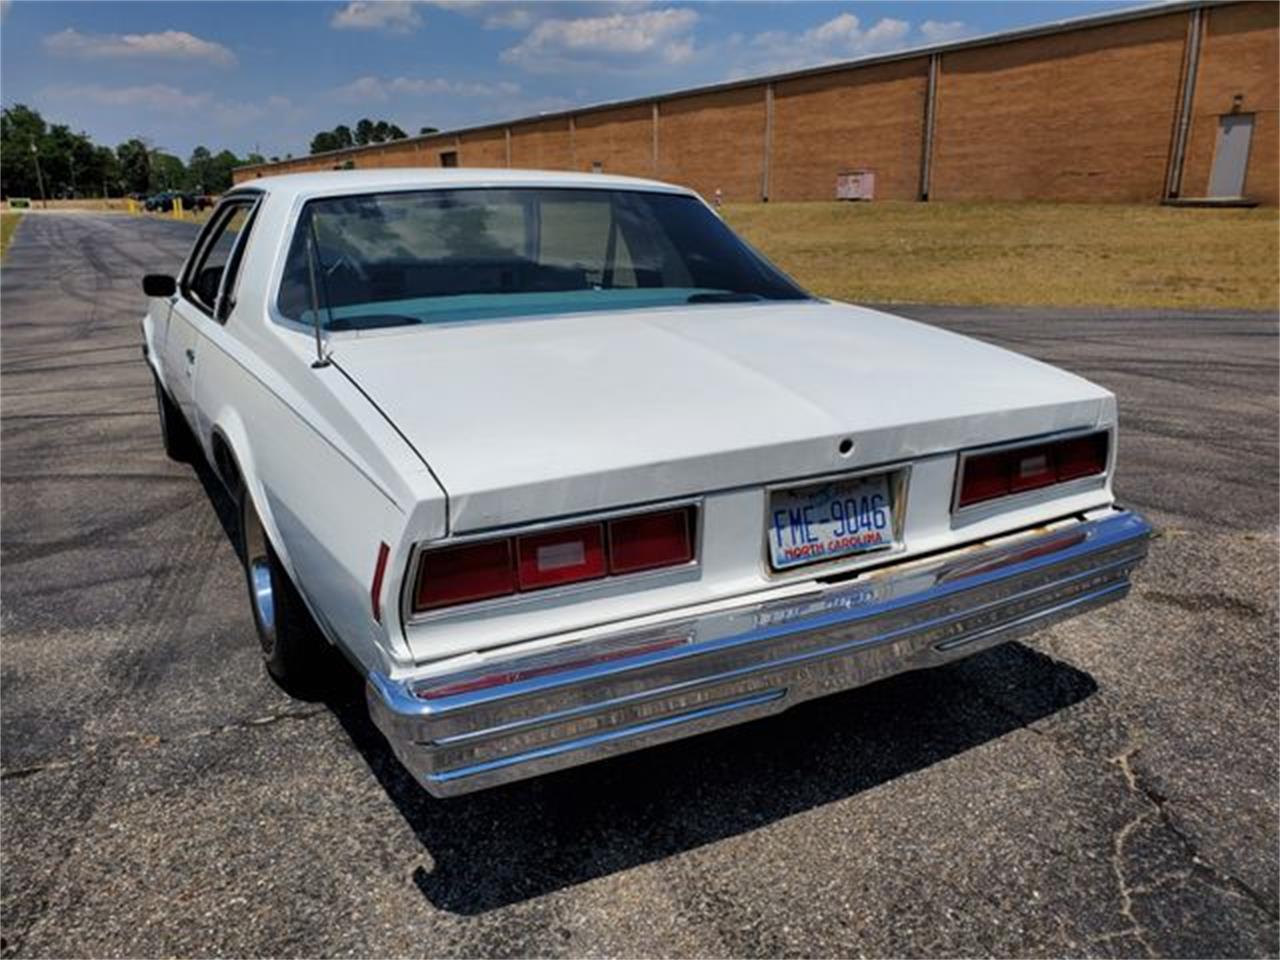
565,468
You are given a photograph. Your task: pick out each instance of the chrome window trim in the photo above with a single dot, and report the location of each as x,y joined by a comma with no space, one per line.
899,486
660,576
252,202
995,505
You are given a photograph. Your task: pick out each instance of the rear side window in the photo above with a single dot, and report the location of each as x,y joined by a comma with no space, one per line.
213,271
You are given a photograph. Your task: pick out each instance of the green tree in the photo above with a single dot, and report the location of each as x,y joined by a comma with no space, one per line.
324,141
21,128
423,131
167,171
342,134
104,172
364,132
64,156
135,166
200,171
220,178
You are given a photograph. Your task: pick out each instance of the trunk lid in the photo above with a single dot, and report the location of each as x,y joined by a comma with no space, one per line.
539,418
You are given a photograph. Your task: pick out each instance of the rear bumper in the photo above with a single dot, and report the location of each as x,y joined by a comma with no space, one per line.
524,714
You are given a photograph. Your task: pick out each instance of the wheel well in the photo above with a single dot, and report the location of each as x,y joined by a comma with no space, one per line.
224,462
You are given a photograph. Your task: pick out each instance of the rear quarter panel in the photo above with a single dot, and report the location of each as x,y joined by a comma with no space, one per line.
330,478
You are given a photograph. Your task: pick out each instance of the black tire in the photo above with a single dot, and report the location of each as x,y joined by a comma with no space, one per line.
295,652
179,445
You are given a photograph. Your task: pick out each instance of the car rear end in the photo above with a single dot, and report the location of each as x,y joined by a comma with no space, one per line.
586,637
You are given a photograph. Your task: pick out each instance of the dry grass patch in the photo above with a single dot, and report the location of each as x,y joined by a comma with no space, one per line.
8,224
1029,254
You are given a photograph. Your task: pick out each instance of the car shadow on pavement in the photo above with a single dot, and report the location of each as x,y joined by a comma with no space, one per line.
501,846
512,843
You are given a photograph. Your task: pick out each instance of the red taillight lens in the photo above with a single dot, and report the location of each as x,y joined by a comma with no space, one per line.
991,475
477,571
535,561
562,556
1082,457
985,478
651,540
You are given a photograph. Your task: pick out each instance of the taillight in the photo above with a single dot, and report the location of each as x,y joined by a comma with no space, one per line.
1032,468
1082,456
562,556
987,476
475,571
548,558
651,540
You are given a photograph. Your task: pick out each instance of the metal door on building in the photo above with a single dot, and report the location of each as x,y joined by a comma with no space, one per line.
1231,156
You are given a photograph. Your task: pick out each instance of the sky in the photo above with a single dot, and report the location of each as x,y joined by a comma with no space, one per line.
265,76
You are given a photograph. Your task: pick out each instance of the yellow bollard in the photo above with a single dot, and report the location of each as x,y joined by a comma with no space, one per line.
177,208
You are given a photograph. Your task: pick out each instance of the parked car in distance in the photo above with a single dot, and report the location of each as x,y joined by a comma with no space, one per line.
565,468
163,202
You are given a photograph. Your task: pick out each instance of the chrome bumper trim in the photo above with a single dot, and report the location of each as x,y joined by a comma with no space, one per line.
524,714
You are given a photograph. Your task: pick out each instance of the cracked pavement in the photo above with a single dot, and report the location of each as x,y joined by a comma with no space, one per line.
1106,789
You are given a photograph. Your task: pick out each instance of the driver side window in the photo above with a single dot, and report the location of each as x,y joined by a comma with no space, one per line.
217,257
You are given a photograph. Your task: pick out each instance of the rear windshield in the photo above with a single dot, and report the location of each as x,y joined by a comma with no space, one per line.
445,256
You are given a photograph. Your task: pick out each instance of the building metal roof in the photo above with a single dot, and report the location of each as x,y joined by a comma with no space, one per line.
1088,21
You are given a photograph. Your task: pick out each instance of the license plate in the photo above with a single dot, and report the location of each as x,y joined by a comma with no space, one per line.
829,520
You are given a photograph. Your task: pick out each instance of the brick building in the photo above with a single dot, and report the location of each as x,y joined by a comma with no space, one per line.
1176,102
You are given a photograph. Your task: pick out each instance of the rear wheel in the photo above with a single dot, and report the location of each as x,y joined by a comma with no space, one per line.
295,652
174,433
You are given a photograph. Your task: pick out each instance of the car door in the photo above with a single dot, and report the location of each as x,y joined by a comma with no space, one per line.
203,300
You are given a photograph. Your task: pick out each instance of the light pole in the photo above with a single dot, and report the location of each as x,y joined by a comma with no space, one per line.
39,179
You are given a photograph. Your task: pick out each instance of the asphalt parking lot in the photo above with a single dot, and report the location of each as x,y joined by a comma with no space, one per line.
1108,789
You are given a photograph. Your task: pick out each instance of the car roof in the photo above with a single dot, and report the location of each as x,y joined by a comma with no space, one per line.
333,182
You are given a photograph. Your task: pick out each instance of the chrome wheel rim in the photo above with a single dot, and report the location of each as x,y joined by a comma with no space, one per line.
261,590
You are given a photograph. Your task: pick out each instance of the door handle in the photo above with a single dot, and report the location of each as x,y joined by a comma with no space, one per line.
191,355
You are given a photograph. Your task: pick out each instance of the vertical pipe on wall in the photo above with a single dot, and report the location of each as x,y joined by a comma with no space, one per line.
507,132
1178,153
655,138
768,141
930,112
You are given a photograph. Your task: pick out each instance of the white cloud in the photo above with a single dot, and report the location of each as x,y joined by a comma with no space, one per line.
157,96
523,14
944,31
370,89
362,90
393,16
509,18
841,38
234,115
167,44
555,44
